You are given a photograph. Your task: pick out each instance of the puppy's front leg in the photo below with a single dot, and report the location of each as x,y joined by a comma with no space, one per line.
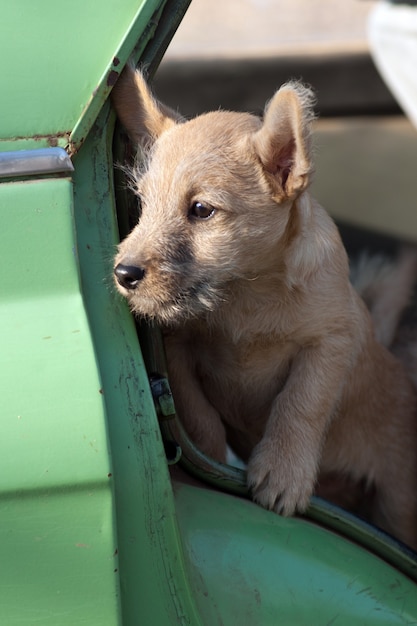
283,467
198,416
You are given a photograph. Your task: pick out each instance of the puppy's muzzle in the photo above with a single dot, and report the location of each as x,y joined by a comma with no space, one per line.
128,276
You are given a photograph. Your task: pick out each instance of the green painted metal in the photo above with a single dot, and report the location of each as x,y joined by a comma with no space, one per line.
57,537
93,530
254,568
153,576
64,57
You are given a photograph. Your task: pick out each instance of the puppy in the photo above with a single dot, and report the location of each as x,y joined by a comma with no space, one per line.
268,345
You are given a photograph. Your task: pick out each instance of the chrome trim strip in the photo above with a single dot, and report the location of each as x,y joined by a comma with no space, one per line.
30,162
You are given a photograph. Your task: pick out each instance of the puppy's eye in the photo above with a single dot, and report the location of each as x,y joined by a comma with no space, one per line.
201,211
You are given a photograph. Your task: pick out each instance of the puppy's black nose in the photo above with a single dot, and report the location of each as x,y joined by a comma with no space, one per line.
129,276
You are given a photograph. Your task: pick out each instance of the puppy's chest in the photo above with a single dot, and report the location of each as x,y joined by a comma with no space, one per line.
242,380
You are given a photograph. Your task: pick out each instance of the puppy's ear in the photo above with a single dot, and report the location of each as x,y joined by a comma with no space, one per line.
141,114
283,141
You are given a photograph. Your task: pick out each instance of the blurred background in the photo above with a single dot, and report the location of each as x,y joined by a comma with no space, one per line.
234,54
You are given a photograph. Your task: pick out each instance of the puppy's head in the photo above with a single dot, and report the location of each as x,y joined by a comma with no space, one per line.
216,194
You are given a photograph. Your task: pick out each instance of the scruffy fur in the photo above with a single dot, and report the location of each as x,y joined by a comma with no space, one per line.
268,344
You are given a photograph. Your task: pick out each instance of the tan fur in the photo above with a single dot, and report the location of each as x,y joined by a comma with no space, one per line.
268,344
386,287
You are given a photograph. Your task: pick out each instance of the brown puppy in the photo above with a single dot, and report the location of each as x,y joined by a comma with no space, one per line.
268,344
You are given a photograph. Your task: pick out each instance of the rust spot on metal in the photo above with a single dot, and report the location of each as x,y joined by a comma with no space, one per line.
112,78
50,139
72,147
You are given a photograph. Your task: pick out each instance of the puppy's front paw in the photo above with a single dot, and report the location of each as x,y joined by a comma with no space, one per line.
281,479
